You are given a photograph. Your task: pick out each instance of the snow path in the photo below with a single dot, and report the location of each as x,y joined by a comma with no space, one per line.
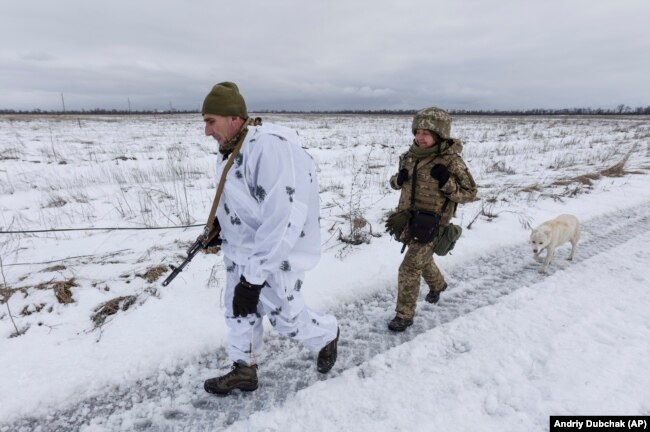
174,399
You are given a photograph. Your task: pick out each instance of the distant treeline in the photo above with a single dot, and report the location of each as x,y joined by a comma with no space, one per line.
619,110
95,111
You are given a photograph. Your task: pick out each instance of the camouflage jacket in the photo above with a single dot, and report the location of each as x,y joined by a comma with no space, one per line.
460,188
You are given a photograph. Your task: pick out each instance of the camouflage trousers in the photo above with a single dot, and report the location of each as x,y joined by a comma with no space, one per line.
282,302
418,262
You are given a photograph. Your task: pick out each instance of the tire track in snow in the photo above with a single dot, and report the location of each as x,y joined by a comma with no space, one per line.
174,399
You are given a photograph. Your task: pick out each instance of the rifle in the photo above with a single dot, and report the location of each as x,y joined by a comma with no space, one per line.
210,237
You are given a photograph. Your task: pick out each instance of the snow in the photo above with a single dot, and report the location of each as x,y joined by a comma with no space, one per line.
570,344
503,350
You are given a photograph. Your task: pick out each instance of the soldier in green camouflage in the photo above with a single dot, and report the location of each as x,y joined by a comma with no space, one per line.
433,166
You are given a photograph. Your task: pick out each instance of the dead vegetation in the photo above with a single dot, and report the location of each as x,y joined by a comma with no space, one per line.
500,167
55,202
618,169
30,309
54,268
153,273
487,211
5,156
125,158
5,294
357,234
573,184
532,188
584,179
111,307
61,289
63,293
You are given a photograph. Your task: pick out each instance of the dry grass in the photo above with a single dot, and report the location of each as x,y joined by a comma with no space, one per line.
618,169
584,179
587,179
55,201
6,156
5,294
111,307
30,309
63,293
54,268
61,289
532,188
500,167
357,234
153,273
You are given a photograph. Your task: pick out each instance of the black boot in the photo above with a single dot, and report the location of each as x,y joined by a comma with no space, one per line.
241,377
398,324
327,355
434,296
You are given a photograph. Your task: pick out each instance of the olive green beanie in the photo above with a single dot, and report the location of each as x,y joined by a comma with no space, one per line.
224,99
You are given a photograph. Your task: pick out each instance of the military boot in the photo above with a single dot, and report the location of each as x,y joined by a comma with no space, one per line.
398,324
434,296
327,355
240,377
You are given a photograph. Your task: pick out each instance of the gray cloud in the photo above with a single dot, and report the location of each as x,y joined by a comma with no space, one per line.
340,54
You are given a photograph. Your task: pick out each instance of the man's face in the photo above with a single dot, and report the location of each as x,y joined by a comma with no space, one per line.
424,139
221,128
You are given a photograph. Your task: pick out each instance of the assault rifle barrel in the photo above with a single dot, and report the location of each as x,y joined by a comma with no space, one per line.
193,250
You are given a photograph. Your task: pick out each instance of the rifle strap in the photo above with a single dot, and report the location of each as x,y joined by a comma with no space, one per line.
235,152
414,178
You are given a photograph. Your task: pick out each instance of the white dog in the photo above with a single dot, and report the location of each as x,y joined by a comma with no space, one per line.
554,233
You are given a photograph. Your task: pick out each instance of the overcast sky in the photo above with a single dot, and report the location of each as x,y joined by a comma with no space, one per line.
325,55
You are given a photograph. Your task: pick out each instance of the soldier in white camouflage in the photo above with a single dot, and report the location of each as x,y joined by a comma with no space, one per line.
442,181
269,218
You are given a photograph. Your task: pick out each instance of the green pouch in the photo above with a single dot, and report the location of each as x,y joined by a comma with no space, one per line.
446,240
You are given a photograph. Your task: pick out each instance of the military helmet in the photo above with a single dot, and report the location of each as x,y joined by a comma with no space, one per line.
433,119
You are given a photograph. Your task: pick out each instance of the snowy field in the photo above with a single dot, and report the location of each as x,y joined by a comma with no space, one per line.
91,341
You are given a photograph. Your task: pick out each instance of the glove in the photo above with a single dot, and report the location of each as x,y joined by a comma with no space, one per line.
440,173
216,241
402,176
246,297
397,222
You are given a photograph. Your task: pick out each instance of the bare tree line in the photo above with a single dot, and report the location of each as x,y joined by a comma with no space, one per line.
621,109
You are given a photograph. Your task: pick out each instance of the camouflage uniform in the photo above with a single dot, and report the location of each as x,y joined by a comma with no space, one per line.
460,188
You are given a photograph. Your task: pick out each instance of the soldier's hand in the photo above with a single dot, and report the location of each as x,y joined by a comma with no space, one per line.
402,176
246,297
213,236
214,242
440,173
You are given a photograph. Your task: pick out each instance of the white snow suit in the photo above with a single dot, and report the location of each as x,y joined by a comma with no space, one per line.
269,217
